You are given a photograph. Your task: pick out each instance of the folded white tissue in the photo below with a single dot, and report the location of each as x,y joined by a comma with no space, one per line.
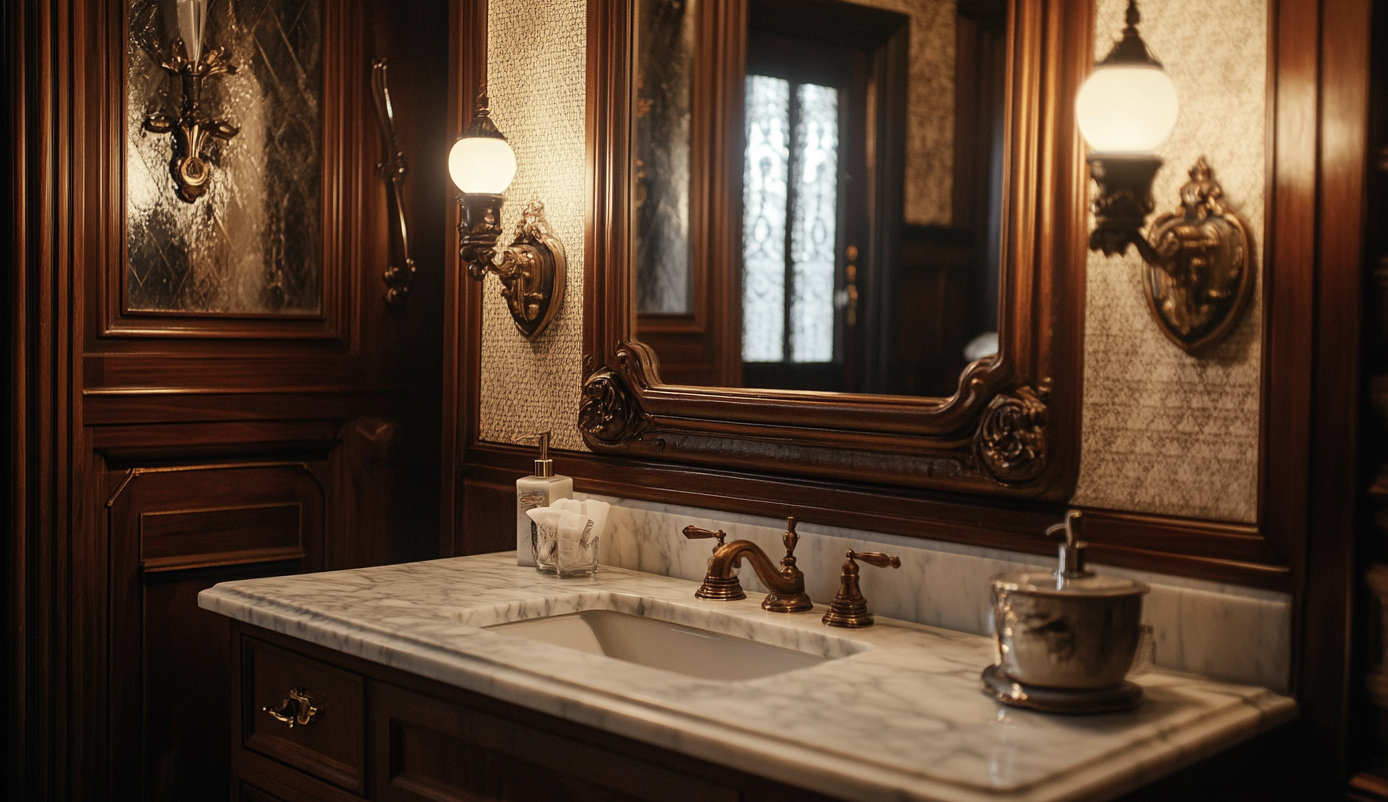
566,536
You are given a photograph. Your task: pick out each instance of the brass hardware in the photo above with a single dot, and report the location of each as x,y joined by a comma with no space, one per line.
849,608
400,270
715,588
695,533
851,274
787,585
195,127
297,709
1197,273
531,268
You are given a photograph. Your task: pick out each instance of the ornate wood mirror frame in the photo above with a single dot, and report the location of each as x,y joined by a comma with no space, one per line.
1012,427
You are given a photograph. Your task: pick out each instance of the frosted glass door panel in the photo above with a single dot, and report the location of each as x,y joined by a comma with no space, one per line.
790,187
765,192
812,235
252,245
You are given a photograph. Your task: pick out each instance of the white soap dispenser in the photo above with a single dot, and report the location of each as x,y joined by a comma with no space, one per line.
540,490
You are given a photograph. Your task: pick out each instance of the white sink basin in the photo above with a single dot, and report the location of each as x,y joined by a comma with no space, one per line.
661,644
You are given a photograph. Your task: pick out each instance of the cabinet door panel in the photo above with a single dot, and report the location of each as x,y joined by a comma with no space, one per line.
426,749
175,531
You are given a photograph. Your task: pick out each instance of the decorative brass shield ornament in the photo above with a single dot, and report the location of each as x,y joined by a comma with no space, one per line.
1202,279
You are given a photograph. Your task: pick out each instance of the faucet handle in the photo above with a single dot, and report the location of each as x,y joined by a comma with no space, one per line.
715,588
849,608
694,533
876,558
790,538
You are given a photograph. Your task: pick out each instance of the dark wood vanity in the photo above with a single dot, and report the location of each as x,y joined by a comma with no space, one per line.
388,735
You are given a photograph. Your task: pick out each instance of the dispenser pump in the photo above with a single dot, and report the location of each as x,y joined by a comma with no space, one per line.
544,466
1072,550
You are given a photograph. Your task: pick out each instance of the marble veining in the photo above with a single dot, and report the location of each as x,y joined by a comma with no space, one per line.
900,714
1214,630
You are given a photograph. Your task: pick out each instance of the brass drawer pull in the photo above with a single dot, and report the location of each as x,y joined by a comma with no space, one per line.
297,709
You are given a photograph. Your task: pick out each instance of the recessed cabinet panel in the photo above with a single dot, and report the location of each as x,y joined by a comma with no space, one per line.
427,749
253,533
201,516
317,721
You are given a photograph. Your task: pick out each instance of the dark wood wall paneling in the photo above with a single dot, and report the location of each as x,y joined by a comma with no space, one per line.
153,456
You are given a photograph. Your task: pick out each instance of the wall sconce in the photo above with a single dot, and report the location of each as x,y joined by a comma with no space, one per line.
1195,270
194,127
531,268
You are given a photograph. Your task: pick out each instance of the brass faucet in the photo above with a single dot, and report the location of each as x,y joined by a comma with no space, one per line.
787,584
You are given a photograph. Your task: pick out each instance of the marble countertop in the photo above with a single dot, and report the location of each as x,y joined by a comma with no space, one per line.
899,714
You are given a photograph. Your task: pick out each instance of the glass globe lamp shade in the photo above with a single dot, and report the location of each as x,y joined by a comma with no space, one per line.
482,164
1126,108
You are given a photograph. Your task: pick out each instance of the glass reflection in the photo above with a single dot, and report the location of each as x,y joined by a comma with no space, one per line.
764,218
252,244
665,59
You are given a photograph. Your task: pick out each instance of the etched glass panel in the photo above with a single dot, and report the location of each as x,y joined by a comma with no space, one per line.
764,218
814,224
660,175
252,244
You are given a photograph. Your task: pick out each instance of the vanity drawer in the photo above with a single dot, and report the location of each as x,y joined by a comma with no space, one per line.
429,750
329,744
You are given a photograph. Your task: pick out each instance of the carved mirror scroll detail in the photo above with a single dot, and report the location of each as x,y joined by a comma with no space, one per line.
1010,427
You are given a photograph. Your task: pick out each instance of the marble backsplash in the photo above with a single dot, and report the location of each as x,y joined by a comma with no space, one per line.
1224,632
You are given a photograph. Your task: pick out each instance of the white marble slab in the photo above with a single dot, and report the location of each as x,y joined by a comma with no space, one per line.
1219,631
898,715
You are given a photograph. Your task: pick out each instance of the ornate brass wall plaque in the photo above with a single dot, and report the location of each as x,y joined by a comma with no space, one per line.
1200,280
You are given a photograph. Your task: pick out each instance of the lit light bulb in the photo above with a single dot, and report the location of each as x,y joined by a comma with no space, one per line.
1126,108
482,164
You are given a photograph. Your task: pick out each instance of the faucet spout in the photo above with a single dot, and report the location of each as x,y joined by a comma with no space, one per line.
787,583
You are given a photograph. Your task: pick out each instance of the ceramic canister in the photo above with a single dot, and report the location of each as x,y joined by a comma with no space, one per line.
1077,633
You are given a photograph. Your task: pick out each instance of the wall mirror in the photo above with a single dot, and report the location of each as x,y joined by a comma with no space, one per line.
858,181
785,268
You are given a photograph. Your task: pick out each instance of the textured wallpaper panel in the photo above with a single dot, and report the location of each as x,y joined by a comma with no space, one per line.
1165,432
930,109
536,65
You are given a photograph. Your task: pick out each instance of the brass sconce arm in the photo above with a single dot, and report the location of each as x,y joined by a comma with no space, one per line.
1197,274
531,268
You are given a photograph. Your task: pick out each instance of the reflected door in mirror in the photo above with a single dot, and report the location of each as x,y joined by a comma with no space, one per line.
804,206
